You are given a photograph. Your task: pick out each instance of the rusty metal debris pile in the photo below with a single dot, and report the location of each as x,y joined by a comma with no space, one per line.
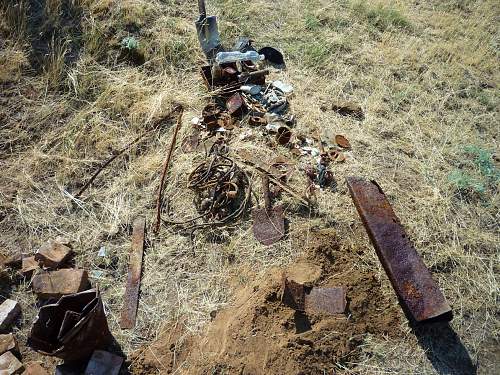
71,323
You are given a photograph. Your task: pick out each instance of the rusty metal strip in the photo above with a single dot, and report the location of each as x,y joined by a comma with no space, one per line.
159,200
131,297
419,293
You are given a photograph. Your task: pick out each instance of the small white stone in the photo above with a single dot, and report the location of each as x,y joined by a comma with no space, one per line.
10,365
9,311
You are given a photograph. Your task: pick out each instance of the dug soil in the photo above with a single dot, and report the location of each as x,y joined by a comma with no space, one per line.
257,334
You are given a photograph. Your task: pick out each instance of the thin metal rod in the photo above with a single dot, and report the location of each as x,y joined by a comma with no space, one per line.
111,159
159,200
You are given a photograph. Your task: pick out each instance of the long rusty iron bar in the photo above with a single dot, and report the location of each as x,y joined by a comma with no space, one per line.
412,281
159,199
131,298
112,158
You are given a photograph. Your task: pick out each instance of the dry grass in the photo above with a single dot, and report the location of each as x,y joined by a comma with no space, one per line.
425,73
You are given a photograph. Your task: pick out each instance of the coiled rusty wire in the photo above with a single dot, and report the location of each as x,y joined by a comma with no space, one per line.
222,190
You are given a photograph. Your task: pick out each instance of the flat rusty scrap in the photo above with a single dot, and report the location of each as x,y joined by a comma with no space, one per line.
131,298
326,300
418,292
234,103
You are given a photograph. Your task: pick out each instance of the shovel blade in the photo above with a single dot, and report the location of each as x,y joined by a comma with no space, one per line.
208,35
268,225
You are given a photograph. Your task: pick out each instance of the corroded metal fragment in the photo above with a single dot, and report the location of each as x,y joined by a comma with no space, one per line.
326,300
72,328
412,281
131,299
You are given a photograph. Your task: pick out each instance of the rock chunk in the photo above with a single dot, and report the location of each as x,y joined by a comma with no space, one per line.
30,265
52,254
10,365
14,261
7,343
55,284
9,311
104,363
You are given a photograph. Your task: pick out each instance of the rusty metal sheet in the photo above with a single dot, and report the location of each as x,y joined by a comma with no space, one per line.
269,225
342,141
268,222
419,293
72,328
326,300
131,298
234,103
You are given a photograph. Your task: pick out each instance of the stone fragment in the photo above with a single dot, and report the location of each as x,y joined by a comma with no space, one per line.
9,311
52,254
10,365
7,343
35,369
14,261
55,284
104,363
29,266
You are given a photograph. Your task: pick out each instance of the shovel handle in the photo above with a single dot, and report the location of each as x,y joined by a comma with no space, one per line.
203,8
265,189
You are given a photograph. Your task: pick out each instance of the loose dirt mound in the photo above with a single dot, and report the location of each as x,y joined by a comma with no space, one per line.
259,335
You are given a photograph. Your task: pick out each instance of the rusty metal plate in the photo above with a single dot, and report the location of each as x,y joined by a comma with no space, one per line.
410,278
342,141
269,225
326,300
131,298
234,103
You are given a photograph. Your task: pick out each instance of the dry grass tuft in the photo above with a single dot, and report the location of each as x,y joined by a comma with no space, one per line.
425,73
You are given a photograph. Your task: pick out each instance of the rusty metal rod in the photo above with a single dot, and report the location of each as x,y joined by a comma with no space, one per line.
419,294
159,199
112,158
131,298
106,163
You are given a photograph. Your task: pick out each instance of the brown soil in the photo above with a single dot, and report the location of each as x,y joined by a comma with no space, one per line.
257,334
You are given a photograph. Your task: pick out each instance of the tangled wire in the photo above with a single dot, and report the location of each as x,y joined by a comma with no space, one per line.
222,190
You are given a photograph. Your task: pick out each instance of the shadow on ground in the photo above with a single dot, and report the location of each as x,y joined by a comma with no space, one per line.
444,349
61,30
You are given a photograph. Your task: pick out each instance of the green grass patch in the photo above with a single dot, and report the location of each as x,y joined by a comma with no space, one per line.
317,53
477,173
381,17
311,22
